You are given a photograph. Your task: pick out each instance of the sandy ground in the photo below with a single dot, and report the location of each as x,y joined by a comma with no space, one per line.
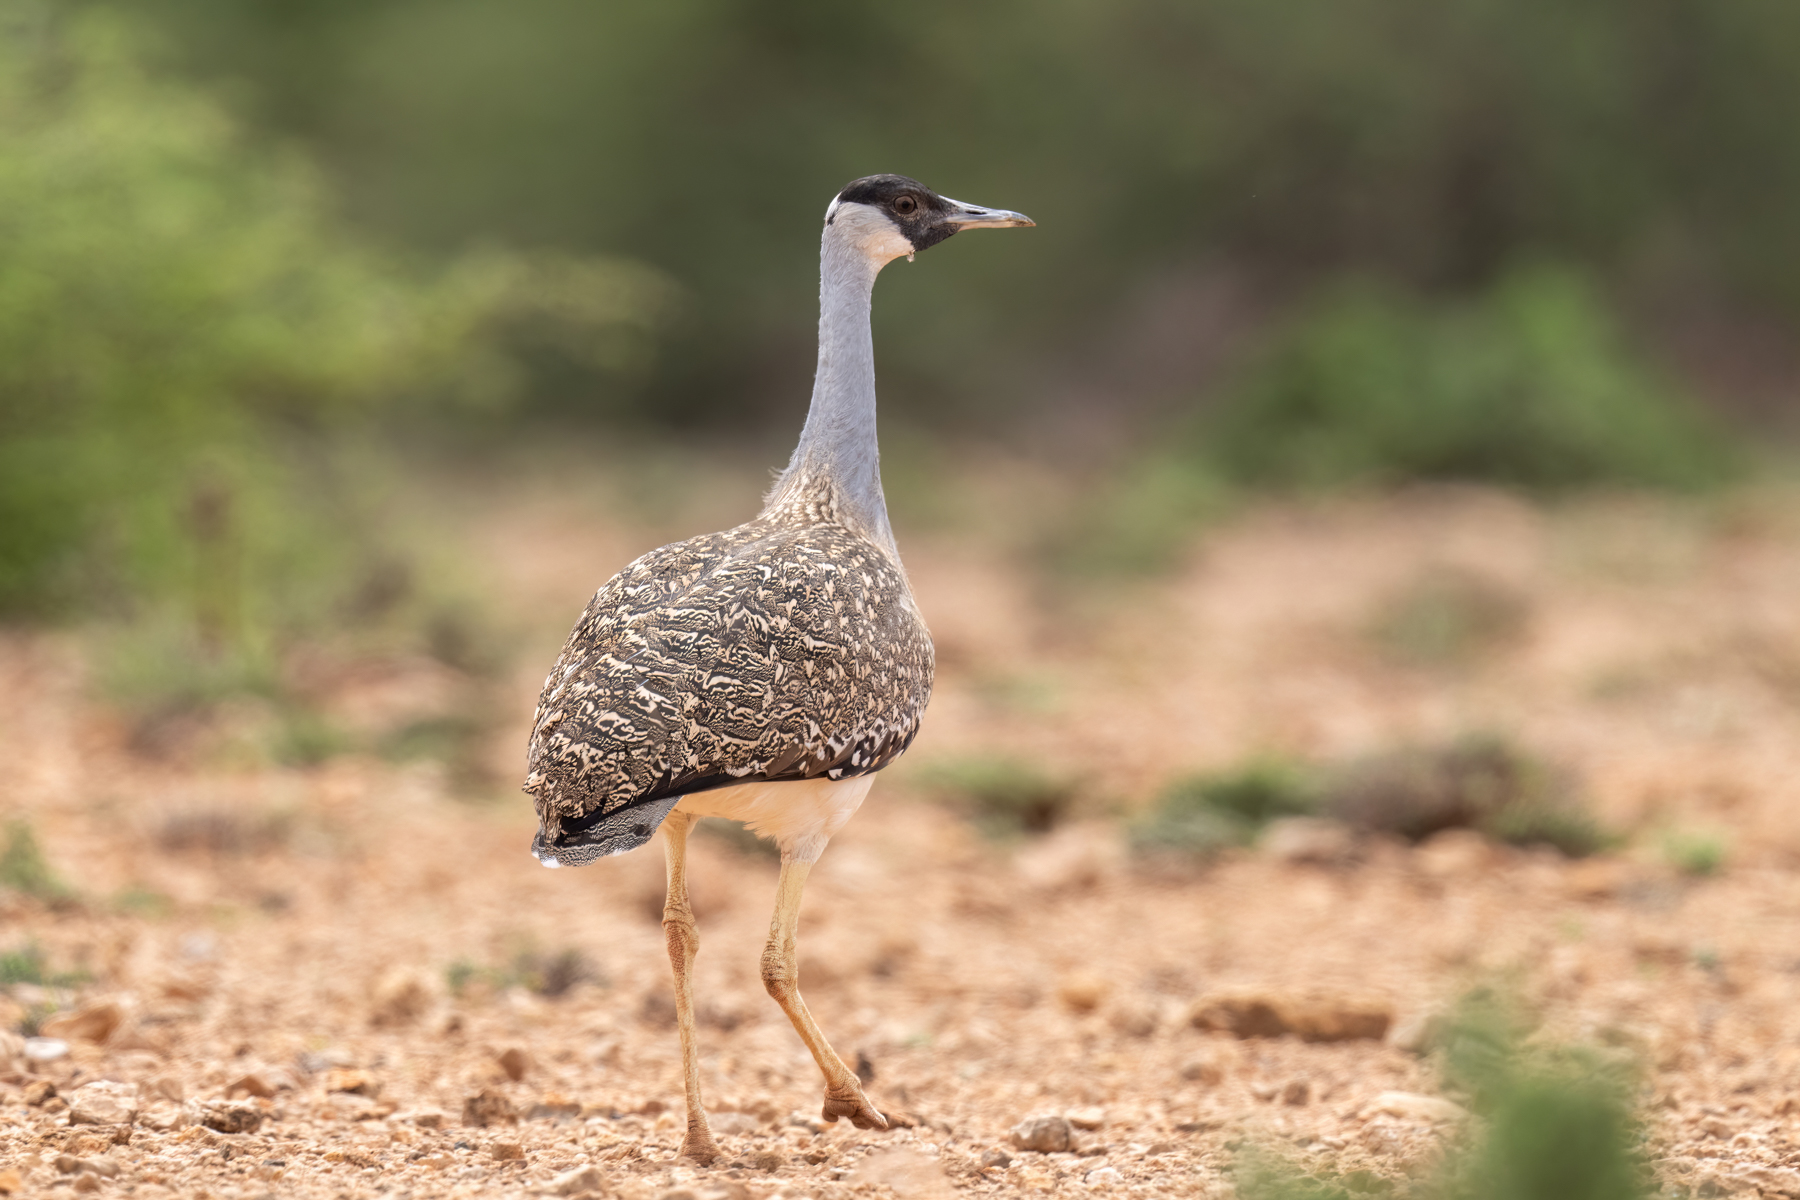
336,959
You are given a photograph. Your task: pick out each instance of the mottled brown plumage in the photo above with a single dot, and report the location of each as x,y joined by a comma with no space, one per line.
786,648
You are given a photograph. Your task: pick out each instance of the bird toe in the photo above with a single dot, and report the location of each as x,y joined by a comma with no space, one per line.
855,1106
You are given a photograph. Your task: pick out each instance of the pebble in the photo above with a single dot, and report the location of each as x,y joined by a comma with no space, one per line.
507,1151
353,1080
1082,992
996,1158
489,1108
45,1049
1047,1133
1103,1177
581,1179
1416,1107
1311,1018
103,1102
402,996
93,1022
251,1085
231,1116
38,1091
1086,1118
515,1062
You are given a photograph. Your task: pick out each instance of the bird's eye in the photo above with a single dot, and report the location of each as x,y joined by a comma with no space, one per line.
906,206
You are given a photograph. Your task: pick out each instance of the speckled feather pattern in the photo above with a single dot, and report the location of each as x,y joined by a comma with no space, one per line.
786,648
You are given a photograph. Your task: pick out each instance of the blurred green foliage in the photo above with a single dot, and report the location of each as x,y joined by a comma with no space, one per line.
24,869
1478,781
1531,384
1446,617
1437,143
189,338
1204,814
1550,1120
1004,797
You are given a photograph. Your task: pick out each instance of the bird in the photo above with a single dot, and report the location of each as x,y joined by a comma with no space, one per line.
763,674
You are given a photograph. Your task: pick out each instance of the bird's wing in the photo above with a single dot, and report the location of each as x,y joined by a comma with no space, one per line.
767,652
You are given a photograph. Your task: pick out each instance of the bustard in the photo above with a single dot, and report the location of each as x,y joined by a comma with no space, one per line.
762,674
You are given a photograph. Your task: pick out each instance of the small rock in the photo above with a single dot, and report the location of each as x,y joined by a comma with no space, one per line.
68,1164
1086,1118
163,1117
1133,1018
515,1062
87,1181
733,1122
1047,1133
402,996
352,1080
1103,1177
1311,1018
45,1049
507,1151
581,1179
1208,1067
768,1161
169,1088
423,1118
11,1182
1308,840
93,1022
996,1158
103,1103
1083,992
1413,1106
38,1091
231,1117
1297,1092
250,1085
489,1108
1417,1032
351,1158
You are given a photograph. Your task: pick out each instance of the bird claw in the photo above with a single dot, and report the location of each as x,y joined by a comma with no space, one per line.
853,1104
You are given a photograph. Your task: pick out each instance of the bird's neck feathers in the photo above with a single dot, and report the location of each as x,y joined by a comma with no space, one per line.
837,460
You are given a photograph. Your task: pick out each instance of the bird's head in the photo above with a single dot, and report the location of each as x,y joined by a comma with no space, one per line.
888,216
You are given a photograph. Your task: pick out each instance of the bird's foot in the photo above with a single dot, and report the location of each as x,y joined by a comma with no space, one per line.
698,1146
849,1101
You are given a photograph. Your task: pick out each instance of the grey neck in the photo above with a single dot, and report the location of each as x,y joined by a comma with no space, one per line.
837,450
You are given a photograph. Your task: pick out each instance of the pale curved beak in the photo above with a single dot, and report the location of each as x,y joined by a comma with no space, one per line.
973,216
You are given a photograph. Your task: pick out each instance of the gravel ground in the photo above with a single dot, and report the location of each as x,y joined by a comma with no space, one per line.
344,980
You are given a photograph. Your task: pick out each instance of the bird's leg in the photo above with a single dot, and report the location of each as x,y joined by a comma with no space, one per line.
684,942
781,976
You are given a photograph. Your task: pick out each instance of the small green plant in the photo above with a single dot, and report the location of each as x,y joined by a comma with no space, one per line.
1447,617
27,964
23,867
1550,1121
1694,854
548,975
1003,797
1474,782
1204,814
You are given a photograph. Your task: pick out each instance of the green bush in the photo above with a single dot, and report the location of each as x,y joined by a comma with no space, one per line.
1003,797
1473,782
1532,385
1204,814
188,334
